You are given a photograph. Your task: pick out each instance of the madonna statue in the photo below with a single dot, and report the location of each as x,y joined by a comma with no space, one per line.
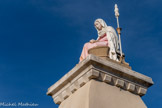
106,37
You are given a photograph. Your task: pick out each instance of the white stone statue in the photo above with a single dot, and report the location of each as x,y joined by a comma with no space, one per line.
106,37
111,37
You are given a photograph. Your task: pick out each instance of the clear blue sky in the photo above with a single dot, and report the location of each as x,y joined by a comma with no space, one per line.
41,40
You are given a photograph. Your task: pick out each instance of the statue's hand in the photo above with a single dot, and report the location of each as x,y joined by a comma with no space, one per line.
92,41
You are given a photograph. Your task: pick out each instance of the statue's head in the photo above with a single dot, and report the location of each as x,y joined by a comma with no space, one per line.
99,24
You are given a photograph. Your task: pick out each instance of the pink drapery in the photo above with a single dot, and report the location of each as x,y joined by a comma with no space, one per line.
102,41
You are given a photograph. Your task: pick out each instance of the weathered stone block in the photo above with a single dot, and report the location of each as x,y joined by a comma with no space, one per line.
119,83
142,91
65,94
73,88
107,78
131,87
57,100
92,74
82,81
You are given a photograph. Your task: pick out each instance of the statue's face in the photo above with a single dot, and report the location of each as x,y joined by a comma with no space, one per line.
98,25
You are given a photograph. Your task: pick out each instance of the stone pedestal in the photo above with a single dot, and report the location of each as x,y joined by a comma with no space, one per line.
100,83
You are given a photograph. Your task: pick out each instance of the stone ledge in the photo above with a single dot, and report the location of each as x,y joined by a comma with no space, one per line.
96,68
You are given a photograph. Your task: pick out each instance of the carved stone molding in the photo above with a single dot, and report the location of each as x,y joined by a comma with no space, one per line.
101,70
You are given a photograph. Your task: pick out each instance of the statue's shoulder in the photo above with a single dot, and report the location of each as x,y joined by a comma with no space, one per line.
110,28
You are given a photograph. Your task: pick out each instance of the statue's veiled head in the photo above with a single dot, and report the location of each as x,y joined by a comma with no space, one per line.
99,24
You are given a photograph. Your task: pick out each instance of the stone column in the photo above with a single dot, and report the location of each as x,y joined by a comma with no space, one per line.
100,83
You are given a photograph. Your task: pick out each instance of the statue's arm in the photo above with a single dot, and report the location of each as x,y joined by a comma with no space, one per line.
93,40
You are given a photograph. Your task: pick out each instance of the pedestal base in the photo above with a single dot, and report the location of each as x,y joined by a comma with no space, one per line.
100,83
96,94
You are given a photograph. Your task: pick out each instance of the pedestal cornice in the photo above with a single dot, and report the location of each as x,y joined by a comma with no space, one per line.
94,67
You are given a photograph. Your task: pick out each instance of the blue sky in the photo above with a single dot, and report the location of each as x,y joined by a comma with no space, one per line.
41,40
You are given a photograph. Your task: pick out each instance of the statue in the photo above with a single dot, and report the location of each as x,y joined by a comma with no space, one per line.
106,37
